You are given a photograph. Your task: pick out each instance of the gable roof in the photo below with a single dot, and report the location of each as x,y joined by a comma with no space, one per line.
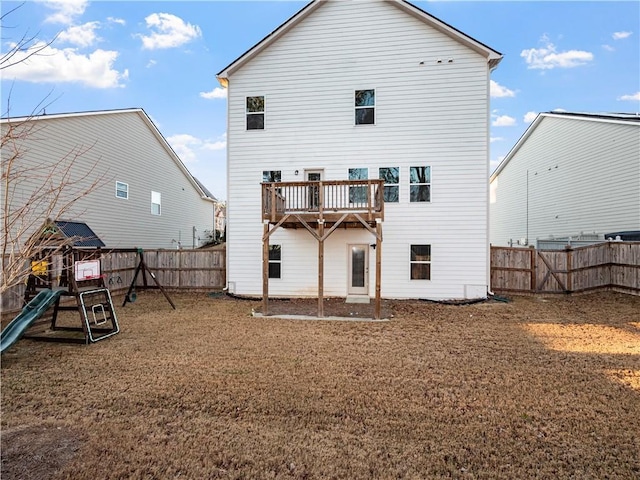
493,56
204,193
620,118
80,233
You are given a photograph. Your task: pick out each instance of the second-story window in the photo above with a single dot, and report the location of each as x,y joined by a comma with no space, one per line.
255,113
156,203
122,190
358,194
391,177
420,184
365,104
271,175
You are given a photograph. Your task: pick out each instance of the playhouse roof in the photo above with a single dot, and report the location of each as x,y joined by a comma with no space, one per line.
80,233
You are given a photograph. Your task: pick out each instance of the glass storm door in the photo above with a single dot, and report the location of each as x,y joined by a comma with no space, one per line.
358,270
314,193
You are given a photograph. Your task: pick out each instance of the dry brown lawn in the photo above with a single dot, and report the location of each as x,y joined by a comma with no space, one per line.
535,388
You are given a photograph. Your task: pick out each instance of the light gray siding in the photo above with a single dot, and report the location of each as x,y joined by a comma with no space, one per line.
118,146
427,113
570,175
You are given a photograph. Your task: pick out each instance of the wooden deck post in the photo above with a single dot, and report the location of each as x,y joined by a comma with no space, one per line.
378,268
320,268
265,270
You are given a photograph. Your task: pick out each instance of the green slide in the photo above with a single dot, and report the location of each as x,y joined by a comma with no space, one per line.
30,313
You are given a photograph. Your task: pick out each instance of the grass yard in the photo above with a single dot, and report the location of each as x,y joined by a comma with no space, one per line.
536,388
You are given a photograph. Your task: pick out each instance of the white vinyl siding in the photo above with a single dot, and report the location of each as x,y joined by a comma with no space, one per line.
124,142
430,114
571,175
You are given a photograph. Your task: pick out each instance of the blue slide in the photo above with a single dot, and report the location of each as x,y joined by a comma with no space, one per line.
30,313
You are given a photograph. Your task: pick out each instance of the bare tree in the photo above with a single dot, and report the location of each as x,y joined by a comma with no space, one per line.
34,195
21,50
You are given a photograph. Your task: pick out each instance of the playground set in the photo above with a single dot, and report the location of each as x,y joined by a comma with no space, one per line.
77,285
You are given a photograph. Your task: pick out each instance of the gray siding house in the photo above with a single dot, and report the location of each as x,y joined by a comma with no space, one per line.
344,95
570,175
144,196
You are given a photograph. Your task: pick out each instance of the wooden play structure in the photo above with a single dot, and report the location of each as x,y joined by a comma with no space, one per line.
74,273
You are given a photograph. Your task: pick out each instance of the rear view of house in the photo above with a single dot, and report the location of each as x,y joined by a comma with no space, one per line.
119,176
571,175
358,156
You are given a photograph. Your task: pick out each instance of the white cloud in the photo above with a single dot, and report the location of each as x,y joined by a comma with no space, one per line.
503,121
620,35
66,65
168,31
217,92
608,48
80,35
547,57
498,91
119,21
189,148
635,97
495,139
65,11
560,110
493,164
529,117
150,63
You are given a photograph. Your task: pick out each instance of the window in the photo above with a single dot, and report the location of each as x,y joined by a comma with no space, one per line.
271,176
122,190
358,194
420,262
391,177
365,107
275,261
420,184
156,202
255,113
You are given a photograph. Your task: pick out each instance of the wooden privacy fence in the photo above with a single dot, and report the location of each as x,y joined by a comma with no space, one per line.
203,270
610,265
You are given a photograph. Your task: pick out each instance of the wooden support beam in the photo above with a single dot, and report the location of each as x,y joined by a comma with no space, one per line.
320,269
308,227
275,227
378,269
265,270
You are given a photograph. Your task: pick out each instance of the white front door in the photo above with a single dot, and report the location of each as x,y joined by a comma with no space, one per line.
358,270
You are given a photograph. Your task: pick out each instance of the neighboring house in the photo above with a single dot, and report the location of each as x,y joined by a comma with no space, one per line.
342,98
145,196
570,175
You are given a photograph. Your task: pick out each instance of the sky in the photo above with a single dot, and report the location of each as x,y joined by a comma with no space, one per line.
163,56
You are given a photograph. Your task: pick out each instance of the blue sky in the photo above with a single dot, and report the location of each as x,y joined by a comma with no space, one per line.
163,56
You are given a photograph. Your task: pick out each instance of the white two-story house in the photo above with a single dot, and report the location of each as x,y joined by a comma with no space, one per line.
358,156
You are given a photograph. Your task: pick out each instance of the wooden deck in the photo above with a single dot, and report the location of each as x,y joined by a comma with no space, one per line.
350,203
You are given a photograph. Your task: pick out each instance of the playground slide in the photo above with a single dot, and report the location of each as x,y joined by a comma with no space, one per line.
30,313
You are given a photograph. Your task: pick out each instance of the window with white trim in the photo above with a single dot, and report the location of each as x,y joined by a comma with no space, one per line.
358,194
156,203
391,177
122,190
420,184
275,261
365,104
255,113
420,262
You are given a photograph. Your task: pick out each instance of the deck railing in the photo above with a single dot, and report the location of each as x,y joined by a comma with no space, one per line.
322,197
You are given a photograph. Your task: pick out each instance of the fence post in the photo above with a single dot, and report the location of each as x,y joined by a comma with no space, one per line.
532,261
569,269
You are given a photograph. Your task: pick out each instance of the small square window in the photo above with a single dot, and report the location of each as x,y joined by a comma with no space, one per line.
122,190
365,103
420,262
275,261
420,184
156,203
255,113
271,176
391,177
